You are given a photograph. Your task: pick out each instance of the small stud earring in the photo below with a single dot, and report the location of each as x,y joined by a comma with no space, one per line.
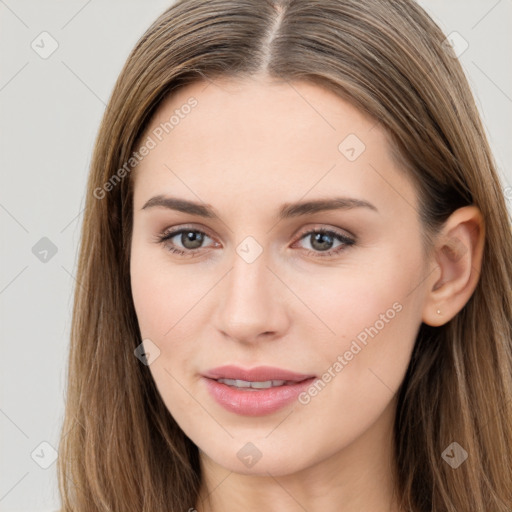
438,311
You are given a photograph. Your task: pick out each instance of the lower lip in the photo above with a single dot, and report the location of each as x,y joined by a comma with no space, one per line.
257,402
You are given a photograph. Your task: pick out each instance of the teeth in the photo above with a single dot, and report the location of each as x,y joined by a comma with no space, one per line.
254,385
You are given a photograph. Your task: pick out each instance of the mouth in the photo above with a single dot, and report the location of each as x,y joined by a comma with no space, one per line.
255,385
257,375
257,391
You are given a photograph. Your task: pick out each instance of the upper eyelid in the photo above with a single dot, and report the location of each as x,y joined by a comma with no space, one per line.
172,232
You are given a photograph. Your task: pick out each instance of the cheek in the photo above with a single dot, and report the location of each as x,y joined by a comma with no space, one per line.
170,302
351,300
165,301
373,314
163,293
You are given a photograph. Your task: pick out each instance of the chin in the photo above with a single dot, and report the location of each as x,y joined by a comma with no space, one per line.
259,458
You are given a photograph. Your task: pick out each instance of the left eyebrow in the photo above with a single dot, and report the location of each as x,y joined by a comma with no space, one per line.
287,210
309,207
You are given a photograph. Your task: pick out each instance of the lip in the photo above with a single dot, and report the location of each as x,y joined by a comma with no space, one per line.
256,402
257,374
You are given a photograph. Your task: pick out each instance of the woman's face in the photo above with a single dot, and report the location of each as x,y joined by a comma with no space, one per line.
259,284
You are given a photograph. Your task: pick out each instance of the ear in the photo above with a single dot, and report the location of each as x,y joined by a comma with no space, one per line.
457,262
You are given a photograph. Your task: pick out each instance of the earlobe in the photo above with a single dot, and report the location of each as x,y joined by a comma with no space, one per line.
458,258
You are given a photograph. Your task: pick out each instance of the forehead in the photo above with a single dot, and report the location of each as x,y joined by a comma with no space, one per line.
259,108
258,136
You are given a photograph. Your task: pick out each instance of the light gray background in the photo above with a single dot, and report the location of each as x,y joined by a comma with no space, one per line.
50,112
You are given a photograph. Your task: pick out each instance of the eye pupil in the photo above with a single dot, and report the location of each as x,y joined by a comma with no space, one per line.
194,237
319,237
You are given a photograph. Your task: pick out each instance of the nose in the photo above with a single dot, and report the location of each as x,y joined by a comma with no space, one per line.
251,302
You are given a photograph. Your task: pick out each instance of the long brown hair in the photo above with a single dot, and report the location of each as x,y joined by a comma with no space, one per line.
120,448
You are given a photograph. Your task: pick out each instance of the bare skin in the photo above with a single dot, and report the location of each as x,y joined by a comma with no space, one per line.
248,147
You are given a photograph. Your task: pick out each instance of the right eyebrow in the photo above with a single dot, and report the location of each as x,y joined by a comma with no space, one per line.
182,205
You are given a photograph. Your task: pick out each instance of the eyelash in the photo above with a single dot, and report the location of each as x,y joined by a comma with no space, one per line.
346,242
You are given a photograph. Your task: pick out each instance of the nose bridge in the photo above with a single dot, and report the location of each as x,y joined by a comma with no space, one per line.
248,279
249,305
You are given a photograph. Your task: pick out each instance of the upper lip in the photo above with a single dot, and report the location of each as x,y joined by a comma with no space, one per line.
257,374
